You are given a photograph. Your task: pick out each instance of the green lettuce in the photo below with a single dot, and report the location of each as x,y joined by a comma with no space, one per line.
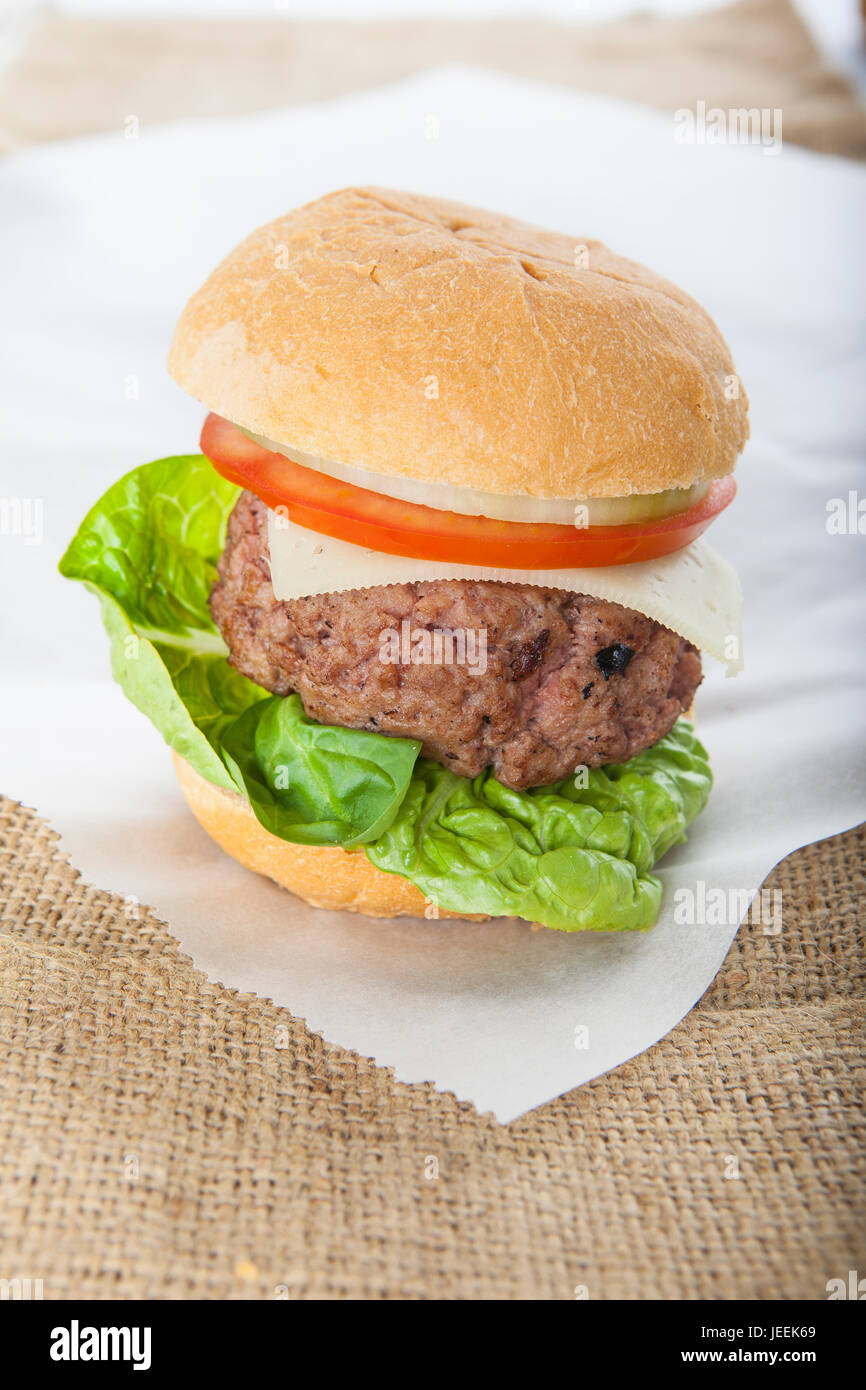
574,856
313,784
148,550
571,856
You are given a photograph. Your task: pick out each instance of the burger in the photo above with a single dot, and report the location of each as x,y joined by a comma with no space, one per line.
423,621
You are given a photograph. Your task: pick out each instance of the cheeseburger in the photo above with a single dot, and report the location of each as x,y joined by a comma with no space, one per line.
423,621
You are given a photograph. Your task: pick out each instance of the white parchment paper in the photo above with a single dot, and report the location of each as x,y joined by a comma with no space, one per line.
104,239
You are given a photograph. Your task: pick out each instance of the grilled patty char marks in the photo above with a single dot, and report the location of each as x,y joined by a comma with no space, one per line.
569,679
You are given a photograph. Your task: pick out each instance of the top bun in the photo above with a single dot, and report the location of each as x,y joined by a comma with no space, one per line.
420,338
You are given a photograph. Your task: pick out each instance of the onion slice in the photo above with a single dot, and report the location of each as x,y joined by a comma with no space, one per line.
595,511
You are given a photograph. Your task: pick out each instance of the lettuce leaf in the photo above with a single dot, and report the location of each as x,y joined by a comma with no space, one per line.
571,856
148,550
190,696
568,856
152,542
313,784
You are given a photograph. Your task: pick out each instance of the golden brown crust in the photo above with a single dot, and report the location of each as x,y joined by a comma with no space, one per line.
324,877
421,338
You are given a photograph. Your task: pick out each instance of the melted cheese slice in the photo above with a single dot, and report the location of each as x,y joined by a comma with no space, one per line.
693,592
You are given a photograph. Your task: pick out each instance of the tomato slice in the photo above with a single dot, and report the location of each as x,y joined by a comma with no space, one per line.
348,513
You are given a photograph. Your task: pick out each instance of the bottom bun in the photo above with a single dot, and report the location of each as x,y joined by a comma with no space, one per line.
324,876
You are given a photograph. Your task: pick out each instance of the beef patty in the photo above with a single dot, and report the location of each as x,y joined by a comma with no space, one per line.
550,680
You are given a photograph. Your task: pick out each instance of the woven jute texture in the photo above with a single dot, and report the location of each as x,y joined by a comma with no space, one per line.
80,74
164,1137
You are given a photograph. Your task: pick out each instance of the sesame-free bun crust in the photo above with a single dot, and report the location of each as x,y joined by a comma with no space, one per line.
324,877
421,338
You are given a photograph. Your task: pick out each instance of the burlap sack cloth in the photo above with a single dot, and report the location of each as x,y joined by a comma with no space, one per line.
84,75
164,1137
